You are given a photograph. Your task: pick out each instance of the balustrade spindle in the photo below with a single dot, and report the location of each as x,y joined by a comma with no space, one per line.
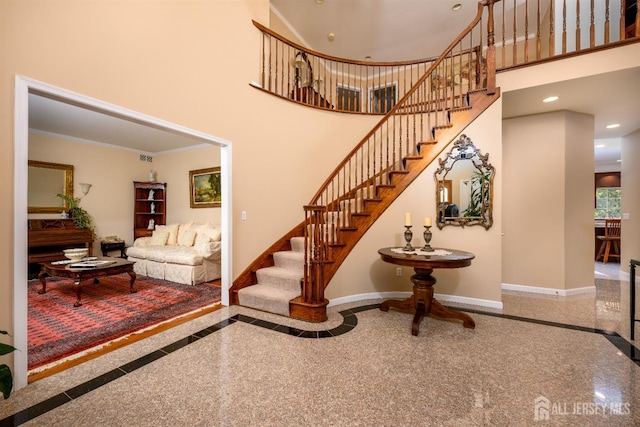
592,27
577,25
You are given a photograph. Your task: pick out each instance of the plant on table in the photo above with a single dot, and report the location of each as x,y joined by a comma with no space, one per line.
80,217
6,378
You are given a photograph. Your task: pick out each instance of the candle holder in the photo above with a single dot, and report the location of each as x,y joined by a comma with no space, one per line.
408,235
427,238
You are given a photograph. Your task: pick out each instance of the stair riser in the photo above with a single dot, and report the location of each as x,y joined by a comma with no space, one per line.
289,262
268,279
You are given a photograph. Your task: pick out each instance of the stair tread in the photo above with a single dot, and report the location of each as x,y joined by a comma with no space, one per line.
290,254
281,272
267,298
269,292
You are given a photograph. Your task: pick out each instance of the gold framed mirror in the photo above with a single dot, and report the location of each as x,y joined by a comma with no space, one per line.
45,180
464,187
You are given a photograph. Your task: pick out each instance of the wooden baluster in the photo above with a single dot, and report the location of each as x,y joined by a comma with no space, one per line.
592,27
504,36
564,26
280,67
577,25
607,26
552,36
623,29
514,60
538,35
526,31
637,18
491,51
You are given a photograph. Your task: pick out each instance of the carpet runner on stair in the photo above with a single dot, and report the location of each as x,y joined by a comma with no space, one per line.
279,284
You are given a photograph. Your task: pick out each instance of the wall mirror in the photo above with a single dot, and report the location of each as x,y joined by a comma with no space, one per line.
45,180
464,187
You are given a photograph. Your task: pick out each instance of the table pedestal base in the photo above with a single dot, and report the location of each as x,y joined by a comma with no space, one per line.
423,304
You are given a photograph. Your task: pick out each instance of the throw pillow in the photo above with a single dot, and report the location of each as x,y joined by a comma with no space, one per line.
159,238
184,227
172,229
212,231
201,239
186,238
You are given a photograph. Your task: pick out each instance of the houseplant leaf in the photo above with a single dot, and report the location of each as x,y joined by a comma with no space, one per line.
6,381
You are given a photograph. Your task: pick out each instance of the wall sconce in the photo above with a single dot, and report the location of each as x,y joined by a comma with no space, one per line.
84,187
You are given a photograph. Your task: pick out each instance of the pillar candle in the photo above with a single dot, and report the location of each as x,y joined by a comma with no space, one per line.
427,221
407,219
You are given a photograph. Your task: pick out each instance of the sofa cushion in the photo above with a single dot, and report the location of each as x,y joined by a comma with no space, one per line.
186,238
159,238
182,228
137,251
212,231
183,256
173,232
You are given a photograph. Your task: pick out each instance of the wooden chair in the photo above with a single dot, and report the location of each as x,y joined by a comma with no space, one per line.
611,238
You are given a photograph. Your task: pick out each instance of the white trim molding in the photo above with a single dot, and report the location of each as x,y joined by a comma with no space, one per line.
402,295
547,291
23,87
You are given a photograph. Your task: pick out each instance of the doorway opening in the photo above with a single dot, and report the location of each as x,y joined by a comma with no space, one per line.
23,88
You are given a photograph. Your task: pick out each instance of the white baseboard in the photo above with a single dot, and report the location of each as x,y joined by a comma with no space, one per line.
439,297
547,291
469,301
369,296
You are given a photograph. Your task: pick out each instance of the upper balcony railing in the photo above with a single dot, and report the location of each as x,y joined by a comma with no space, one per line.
526,31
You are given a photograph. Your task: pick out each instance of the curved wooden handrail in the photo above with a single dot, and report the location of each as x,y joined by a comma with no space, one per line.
400,103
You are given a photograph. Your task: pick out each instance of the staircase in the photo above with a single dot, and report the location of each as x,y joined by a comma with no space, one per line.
277,285
289,277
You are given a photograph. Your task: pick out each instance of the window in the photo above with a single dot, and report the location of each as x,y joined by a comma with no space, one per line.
348,99
383,98
608,202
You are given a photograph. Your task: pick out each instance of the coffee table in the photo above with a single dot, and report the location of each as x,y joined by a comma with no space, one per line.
115,266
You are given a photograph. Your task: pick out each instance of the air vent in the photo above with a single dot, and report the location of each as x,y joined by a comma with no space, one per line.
146,158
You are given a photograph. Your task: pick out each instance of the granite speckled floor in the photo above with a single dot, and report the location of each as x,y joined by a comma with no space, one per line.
568,358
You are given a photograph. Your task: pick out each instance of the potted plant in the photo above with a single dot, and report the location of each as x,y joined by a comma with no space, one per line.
80,217
6,378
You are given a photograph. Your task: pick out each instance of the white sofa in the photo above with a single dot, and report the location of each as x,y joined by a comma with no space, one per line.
183,253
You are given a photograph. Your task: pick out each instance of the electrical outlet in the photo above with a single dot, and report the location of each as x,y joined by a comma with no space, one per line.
398,271
243,216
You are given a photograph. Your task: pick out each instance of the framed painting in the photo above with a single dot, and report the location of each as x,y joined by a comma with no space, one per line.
204,186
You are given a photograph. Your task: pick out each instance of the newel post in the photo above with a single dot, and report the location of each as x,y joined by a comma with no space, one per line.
491,49
315,255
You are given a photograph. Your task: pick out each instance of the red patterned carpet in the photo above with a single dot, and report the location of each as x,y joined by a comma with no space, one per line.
56,329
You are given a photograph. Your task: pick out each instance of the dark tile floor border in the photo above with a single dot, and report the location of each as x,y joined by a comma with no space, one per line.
350,321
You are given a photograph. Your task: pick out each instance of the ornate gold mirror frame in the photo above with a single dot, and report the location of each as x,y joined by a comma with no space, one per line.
45,180
464,187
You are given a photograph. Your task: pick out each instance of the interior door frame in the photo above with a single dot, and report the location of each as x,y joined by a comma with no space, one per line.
23,87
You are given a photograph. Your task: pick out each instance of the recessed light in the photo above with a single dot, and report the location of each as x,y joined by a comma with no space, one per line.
619,160
456,6
550,99
319,1
613,126
601,145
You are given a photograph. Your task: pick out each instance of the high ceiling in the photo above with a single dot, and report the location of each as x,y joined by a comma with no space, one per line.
385,30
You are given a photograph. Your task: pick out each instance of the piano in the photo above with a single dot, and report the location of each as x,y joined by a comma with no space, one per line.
49,237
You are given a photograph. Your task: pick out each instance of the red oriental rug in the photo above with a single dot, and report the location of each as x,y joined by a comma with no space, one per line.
57,330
